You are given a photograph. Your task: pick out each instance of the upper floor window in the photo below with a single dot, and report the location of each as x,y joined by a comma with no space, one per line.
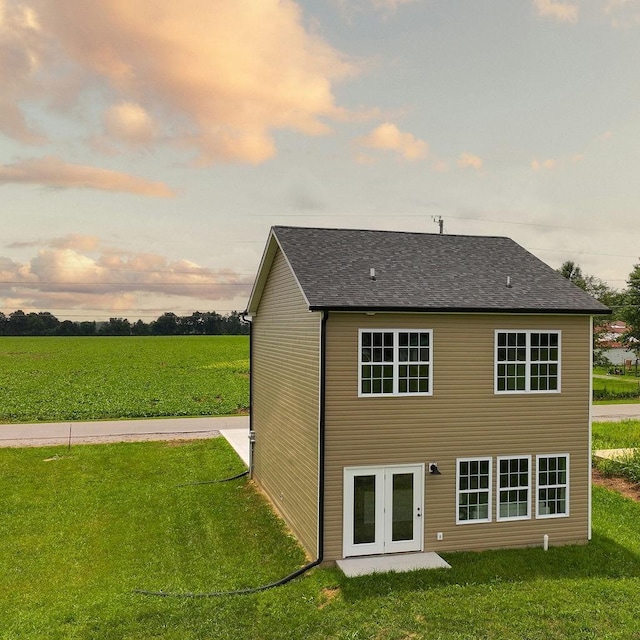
395,362
527,361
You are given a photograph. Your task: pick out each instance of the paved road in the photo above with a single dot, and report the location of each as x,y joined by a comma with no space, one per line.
614,412
235,429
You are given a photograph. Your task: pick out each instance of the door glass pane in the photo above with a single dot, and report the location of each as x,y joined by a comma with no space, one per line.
402,510
364,511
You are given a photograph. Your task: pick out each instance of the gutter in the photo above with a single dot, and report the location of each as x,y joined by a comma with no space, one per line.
400,309
247,319
321,433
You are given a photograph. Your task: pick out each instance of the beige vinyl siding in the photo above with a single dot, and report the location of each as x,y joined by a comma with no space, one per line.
463,418
285,400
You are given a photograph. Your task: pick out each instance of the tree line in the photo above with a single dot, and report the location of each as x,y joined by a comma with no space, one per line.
44,323
625,304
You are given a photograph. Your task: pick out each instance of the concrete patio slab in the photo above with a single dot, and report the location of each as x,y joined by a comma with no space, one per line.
401,563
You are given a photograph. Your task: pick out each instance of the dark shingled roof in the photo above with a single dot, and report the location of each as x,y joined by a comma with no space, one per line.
425,272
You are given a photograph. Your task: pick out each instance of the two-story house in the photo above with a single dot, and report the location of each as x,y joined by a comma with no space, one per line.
415,392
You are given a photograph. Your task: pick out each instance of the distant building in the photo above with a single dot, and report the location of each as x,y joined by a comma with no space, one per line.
612,347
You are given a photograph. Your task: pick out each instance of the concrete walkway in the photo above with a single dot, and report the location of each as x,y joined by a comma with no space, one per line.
234,429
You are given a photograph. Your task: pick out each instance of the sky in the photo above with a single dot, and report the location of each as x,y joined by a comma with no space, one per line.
147,146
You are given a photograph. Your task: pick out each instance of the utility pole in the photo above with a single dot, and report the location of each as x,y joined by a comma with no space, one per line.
440,222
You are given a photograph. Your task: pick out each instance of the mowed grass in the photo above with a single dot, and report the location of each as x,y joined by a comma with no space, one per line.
612,387
91,378
619,435
616,435
82,529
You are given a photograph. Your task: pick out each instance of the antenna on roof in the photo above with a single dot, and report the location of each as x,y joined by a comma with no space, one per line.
440,223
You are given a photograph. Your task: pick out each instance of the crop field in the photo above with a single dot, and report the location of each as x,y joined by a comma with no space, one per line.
93,378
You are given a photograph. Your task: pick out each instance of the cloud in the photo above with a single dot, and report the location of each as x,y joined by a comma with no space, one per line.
71,241
387,137
77,272
129,123
623,13
220,76
349,9
550,164
51,171
389,5
469,161
558,11
20,58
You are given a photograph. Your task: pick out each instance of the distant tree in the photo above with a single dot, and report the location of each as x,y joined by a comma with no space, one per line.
599,290
116,327
235,326
17,324
87,328
572,272
192,325
630,311
140,328
67,328
4,322
49,321
213,323
165,325
35,325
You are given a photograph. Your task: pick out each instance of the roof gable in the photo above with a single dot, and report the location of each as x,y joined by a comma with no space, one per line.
419,272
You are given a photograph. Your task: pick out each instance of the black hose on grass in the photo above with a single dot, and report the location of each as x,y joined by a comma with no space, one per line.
238,592
194,484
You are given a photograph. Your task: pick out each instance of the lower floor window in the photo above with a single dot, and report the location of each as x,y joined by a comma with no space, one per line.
517,481
474,490
514,480
553,486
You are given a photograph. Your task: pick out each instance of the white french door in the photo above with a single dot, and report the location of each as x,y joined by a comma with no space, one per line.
383,509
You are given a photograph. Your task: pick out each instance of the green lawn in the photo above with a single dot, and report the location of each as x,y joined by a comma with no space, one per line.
59,379
618,435
82,529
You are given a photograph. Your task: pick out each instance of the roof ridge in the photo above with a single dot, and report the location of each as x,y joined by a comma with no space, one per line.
390,231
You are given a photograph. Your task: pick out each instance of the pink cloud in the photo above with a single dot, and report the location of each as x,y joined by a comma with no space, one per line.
220,76
21,51
88,276
469,161
53,172
387,137
558,11
129,123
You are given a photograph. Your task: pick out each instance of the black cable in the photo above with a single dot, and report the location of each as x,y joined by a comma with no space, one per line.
238,592
193,484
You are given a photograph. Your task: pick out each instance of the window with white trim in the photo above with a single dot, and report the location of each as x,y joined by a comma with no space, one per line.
527,361
552,500
394,362
473,495
514,492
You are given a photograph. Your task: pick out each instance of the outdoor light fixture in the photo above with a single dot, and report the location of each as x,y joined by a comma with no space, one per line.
433,469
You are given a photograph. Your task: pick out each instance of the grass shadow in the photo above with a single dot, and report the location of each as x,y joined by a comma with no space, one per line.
603,557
